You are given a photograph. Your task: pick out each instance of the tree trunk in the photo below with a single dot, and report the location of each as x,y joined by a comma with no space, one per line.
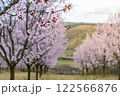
104,71
47,69
12,72
0,68
44,69
36,72
41,70
83,71
119,72
94,70
28,68
87,69
104,62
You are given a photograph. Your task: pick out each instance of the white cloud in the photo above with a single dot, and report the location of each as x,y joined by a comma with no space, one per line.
91,10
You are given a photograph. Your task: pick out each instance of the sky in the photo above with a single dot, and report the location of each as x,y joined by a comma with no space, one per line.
91,11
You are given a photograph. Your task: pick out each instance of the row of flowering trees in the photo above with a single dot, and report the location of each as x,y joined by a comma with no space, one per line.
32,32
102,48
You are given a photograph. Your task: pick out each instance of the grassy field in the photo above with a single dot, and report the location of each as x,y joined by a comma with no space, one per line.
65,62
48,76
75,37
72,23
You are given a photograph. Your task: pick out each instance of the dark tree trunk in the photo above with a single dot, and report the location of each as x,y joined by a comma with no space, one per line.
36,72
0,68
45,69
104,67
12,72
94,70
119,71
87,70
28,68
41,70
83,71
104,71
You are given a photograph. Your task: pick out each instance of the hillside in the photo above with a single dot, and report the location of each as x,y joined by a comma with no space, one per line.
72,23
76,35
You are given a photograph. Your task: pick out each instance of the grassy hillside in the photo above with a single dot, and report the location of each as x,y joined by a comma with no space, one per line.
72,23
76,35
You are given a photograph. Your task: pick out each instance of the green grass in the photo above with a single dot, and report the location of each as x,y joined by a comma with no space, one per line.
69,53
76,77
72,23
75,37
49,76
66,62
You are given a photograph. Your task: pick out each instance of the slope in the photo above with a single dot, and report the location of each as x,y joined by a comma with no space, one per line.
75,37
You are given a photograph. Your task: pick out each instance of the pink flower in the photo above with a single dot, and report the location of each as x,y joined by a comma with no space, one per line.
33,13
52,11
66,6
54,19
69,5
40,18
36,3
20,17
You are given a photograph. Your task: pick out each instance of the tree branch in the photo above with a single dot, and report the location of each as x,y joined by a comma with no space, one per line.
9,6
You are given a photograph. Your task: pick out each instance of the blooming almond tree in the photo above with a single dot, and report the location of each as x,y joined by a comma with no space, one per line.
83,57
90,53
57,46
79,58
50,48
95,51
6,5
16,28
48,44
113,39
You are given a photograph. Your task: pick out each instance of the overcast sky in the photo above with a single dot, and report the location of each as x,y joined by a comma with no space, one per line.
92,11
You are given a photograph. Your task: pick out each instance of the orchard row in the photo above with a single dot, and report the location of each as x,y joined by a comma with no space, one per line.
102,49
32,33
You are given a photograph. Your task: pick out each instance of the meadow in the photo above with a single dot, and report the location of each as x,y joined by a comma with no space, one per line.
66,62
50,76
